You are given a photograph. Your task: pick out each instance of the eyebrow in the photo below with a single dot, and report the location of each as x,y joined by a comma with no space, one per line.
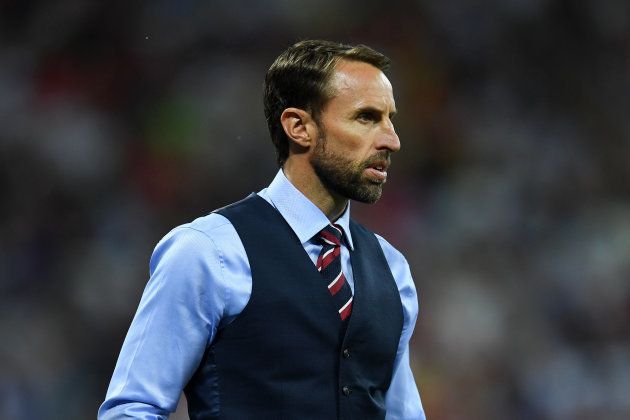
370,108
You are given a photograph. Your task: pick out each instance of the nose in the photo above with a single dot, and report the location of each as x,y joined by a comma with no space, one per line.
388,140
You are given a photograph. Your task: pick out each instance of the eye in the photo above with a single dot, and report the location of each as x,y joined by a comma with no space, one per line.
368,116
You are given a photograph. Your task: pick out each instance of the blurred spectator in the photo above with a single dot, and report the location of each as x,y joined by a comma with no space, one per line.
511,200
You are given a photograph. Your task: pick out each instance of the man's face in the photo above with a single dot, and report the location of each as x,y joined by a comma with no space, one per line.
356,133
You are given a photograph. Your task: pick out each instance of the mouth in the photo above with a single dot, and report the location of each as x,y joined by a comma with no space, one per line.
378,171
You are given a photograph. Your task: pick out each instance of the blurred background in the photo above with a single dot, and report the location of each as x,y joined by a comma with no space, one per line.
510,197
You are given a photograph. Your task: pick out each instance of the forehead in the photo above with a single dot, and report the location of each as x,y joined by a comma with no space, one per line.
357,84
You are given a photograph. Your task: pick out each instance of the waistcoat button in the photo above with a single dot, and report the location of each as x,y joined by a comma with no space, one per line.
346,390
346,353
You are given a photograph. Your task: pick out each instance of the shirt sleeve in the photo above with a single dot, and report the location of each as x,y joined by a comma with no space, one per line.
177,317
403,399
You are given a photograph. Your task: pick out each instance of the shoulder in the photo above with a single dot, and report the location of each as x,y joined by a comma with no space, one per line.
211,225
397,262
393,255
206,239
205,229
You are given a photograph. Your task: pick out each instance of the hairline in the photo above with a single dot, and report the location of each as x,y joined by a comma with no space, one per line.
329,92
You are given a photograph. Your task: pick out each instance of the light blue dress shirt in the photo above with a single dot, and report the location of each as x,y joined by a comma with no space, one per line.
200,280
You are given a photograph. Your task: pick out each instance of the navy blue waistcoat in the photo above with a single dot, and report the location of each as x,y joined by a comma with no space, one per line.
288,355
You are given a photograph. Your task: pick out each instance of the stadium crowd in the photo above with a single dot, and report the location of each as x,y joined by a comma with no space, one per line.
510,196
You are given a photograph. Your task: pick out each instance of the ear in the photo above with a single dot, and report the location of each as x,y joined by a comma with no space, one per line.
299,126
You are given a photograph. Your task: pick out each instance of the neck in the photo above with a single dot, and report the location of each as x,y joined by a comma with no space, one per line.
309,184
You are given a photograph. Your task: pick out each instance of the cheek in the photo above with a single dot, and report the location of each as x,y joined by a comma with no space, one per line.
350,140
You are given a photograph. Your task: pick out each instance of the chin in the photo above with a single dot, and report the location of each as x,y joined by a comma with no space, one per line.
368,195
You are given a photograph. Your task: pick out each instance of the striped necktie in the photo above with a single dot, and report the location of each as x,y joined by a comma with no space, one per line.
329,265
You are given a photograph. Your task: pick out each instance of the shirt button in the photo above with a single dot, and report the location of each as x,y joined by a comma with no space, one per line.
346,353
346,390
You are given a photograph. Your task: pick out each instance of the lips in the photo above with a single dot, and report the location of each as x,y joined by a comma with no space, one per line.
379,165
378,170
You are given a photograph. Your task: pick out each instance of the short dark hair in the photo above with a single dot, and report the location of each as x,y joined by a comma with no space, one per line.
299,78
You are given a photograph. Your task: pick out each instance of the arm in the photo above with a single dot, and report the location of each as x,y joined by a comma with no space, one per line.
403,400
177,318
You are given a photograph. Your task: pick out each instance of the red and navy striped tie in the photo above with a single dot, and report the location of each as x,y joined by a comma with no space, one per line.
329,264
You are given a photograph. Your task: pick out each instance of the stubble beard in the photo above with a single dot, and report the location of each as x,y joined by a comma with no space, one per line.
346,177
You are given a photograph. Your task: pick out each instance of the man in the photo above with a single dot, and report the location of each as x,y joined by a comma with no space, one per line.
280,306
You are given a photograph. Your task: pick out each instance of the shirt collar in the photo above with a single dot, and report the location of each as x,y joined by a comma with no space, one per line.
304,217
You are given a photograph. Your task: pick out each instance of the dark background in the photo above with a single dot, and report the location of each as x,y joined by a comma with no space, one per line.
510,197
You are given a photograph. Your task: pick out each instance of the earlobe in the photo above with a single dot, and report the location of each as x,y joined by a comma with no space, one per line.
296,124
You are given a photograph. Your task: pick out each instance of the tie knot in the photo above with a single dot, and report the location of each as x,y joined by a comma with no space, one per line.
331,235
